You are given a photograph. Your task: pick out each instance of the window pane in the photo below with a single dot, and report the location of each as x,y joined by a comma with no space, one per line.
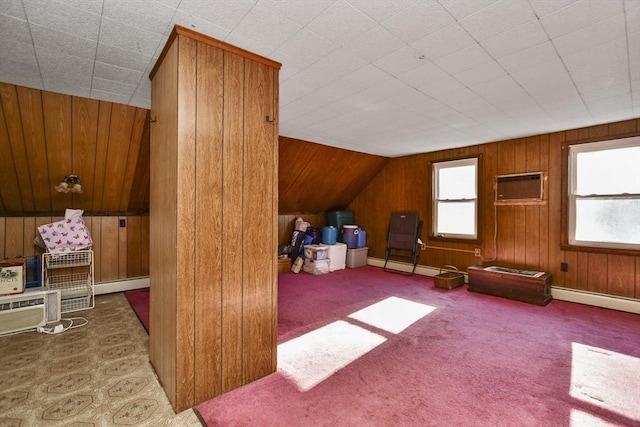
616,221
612,171
457,183
456,218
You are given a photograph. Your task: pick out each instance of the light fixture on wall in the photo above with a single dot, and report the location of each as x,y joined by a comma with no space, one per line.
70,184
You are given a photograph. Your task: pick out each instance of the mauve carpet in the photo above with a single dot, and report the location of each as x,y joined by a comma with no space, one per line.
362,347
139,301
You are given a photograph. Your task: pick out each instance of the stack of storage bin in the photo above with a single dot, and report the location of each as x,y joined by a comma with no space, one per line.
316,259
357,250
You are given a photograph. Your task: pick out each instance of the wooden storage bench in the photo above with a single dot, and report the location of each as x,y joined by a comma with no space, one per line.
521,285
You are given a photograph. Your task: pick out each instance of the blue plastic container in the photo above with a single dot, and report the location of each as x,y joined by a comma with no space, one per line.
350,236
32,271
361,240
329,235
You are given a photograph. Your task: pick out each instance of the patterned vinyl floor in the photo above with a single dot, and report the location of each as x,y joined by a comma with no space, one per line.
96,375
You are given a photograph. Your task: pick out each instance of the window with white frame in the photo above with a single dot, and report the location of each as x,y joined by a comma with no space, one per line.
604,194
455,199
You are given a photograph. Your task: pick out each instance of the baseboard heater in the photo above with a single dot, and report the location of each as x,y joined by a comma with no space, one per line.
533,287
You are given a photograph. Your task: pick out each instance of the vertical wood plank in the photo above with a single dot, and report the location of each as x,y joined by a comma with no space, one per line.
620,275
14,237
139,122
122,248
139,197
134,246
208,222
109,248
144,245
122,119
29,234
597,280
275,132
3,230
637,279
554,194
506,214
83,153
258,188
232,222
34,141
543,211
532,213
578,263
163,223
185,302
57,137
20,155
94,228
10,200
102,144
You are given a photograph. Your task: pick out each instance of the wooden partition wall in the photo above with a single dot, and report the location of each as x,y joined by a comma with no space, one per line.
528,236
119,252
213,218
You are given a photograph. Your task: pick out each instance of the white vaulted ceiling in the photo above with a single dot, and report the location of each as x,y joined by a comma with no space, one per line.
387,77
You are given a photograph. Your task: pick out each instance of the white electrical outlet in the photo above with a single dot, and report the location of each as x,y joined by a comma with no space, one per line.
476,252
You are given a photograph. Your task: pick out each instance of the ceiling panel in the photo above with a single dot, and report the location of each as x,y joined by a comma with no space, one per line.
387,77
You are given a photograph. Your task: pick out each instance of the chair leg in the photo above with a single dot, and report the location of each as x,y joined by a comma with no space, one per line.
386,259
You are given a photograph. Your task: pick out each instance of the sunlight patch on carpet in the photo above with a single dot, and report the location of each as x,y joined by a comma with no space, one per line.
582,419
392,314
606,379
315,356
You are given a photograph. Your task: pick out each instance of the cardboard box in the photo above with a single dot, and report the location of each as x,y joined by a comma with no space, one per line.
12,276
357,257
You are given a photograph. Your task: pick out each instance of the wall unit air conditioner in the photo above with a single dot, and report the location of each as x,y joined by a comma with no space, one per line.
520,188
28,310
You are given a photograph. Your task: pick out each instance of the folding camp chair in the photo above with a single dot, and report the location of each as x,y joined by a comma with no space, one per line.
402,238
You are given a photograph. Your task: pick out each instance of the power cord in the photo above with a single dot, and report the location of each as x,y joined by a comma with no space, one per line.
58,329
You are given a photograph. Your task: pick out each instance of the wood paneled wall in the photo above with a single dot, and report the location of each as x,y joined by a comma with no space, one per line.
318,178
528,236
45,136
119,252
